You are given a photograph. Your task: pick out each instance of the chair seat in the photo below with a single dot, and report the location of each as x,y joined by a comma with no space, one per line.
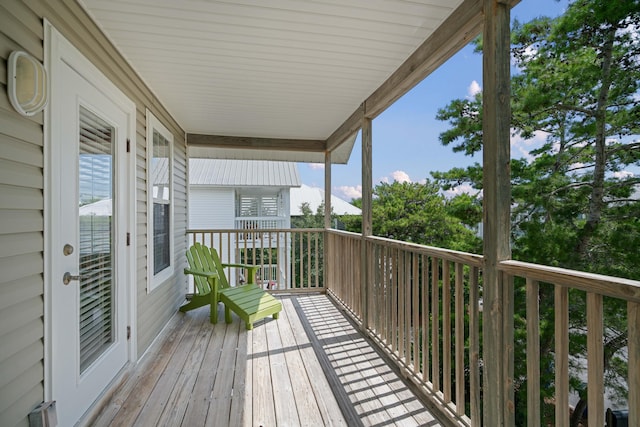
250,303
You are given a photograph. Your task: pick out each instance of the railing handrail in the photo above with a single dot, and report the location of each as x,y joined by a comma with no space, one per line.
611,286
470,259
253,230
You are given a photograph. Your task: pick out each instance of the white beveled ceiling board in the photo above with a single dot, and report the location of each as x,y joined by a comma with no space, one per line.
266,68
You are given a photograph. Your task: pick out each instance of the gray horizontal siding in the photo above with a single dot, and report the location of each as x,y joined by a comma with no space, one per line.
21,231
22,202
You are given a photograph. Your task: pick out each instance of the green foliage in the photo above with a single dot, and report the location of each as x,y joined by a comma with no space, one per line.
310,219
578,85
419,213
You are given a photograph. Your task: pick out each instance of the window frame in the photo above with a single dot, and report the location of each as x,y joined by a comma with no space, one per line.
259,197
155,280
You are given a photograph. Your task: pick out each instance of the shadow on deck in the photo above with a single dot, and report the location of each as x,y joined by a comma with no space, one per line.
310,367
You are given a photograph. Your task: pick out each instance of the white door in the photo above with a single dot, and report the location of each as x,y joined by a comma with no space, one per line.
89,253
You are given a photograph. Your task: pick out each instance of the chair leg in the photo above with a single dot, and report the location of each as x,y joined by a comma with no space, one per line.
227,314
249,326
213,314
276,315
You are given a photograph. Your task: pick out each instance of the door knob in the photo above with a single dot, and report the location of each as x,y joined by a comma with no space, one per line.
68,277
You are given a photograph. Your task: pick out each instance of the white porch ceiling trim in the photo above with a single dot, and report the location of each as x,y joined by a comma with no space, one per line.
283,69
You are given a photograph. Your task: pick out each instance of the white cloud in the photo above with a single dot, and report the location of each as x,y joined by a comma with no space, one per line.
473,89
316,166
521,148
348,192
623,174
400,176
461,189
529,53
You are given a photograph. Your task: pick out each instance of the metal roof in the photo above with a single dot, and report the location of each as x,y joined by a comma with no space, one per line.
243,173
314,196
285,69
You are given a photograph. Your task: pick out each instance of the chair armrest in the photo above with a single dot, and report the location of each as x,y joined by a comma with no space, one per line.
200,273
252,269
239,265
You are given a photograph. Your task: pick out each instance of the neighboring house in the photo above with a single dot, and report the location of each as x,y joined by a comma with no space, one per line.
240,194
244,195
250,195
314,197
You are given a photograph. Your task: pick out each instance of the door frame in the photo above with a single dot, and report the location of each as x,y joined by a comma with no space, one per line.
59,51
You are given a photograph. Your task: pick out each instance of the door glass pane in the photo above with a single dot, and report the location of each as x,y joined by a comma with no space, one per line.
96,237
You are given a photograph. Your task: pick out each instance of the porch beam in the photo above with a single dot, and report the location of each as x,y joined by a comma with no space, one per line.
462,26
243,142
498,297
350,127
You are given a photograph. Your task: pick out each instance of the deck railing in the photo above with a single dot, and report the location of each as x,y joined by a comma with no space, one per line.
590,295
423,306
289,259
415,302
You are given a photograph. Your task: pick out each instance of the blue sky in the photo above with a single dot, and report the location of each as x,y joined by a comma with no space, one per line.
405,136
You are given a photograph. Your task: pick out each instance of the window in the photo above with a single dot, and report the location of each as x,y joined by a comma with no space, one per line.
258,205
160,202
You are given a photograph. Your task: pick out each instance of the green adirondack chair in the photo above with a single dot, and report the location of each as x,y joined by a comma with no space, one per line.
250,302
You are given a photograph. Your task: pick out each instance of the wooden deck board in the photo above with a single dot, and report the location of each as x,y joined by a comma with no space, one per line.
322,392
306,402
157,401
310,367
200,398
264,413
219,412
132,395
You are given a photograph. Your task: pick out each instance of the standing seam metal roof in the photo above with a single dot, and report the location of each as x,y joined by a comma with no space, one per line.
243,173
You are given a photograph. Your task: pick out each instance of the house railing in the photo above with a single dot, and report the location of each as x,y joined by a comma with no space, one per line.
414,301
289,259
255,226
423,306
589,295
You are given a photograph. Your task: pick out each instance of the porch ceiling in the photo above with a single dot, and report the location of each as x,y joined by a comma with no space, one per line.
271,69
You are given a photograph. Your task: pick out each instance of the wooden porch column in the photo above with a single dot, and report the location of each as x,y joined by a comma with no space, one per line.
327,190
326,265
367,228
498,402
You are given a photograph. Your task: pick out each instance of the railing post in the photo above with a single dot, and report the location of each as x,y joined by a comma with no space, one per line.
497,355
367,185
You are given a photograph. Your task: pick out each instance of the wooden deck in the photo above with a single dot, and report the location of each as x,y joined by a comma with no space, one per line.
310,367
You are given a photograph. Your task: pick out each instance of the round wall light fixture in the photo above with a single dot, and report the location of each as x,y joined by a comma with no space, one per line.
27,83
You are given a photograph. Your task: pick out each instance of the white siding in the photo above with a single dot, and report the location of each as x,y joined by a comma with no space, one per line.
211,208
22,231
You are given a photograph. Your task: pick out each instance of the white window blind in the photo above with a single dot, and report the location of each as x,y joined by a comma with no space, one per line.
257,205
96,237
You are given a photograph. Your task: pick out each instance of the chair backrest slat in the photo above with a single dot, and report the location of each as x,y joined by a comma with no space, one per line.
222,277
197,258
